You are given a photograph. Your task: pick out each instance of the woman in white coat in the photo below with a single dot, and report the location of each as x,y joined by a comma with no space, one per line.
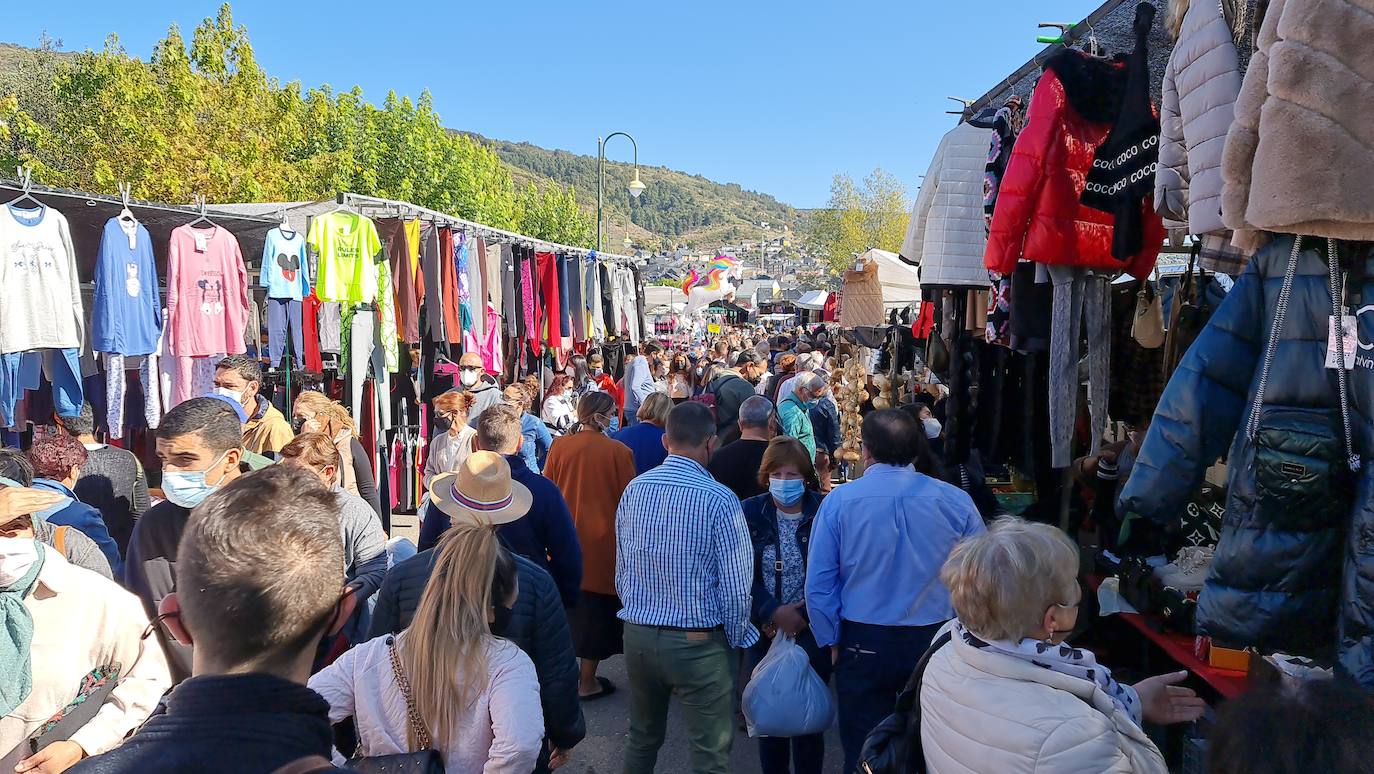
1007,695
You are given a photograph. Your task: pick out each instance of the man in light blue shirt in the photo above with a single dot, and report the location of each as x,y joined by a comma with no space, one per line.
873,588
639,381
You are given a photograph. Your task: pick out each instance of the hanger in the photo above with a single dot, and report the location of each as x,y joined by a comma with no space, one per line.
125,214
200,204
963,106
26,183
344,206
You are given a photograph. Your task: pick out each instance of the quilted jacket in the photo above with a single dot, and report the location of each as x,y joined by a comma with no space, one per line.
538,625
1301,152
1039,215
985,711
1277,581
947,234
1200,87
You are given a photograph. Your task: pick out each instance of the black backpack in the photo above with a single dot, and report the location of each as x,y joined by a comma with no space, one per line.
894,746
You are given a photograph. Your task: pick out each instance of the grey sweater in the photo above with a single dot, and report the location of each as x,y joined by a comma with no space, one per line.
78,549
112,481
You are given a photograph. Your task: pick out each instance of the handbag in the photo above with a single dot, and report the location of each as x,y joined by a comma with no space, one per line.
1147,326
894,745
1190,312
1301,480
426,760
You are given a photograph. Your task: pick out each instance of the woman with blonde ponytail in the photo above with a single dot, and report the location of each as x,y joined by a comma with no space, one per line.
476,695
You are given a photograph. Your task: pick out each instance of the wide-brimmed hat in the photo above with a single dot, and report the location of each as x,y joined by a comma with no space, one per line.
481,491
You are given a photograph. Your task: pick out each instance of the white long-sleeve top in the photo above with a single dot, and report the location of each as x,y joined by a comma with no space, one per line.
500,733
83,621
42,305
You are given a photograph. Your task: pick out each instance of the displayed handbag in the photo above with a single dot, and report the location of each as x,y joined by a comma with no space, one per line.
426,760
1304,458
894,745
1189,314
1147,326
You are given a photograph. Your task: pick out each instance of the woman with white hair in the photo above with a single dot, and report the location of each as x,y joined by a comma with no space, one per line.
1006,694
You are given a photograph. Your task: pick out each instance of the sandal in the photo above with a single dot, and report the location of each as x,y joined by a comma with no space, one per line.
607,688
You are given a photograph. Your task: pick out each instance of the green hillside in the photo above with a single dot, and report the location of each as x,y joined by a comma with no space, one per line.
675,209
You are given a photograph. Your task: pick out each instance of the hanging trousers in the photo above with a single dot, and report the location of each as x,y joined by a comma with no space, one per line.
20,371
364,346
281,314
1081,307
116,384
191,377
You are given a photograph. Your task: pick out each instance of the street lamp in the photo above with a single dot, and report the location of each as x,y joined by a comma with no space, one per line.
636,186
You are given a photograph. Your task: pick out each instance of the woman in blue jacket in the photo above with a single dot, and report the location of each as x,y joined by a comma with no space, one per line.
780,525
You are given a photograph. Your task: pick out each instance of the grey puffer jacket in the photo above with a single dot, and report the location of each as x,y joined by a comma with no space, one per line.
538,625
1201,83
1280,579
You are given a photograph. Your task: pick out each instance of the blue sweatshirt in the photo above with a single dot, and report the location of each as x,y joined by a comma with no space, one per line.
126,313
284,271
81,517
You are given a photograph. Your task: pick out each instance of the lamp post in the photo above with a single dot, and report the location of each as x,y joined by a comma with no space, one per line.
636,187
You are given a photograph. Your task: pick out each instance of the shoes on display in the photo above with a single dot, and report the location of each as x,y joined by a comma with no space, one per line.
1188,570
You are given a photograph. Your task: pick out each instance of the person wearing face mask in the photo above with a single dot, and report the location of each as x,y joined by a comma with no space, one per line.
57,461
592,470
246,707
780,529
474,380
795,409
1004,685
314,412
239,378
60,626
18,505
475,692
448,449
535,622
600,381
199,446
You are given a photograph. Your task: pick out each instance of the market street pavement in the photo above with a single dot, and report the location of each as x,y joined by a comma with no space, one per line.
608,722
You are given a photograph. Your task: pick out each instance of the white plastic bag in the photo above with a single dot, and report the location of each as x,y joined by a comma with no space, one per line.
785,697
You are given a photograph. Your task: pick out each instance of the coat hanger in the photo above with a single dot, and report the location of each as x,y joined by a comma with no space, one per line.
26,184
125,214
200,204
963,106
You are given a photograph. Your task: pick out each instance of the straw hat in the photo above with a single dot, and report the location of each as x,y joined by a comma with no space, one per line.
481,491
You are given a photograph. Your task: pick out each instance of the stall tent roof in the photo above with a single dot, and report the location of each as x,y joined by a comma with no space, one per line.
901,283
813,300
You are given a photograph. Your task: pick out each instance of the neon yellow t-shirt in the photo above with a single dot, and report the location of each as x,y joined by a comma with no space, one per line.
413,243
347,249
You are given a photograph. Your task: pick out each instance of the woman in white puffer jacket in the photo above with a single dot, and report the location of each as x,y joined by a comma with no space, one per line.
1007,695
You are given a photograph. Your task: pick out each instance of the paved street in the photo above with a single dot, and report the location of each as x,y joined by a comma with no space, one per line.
608,720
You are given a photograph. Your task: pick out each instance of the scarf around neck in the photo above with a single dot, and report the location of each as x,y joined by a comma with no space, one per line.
1064,659
16,637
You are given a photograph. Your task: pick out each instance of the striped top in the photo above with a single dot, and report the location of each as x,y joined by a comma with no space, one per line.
683,556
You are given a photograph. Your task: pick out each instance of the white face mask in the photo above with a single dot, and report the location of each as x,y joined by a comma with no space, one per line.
932,427
233,395
17,555
468,378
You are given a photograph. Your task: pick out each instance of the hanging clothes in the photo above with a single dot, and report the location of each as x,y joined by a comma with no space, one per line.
414,240
126,313
477,296
461,258
577,307
530,313
494,276
310,325
346,245
448,271
395,236
596,319
207,292
511,312
946,235
436,297
42,307
547,265
609,313
564,316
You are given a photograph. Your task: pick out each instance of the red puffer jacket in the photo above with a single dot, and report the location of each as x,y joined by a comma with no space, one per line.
1039,216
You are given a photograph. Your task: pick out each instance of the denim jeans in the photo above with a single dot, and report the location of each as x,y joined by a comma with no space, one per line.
874,665
20,371
798,754
284,313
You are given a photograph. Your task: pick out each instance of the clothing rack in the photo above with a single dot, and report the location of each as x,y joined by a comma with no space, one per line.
401,208
91,199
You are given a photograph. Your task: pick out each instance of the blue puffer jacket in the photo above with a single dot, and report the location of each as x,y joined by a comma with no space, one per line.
538,625
1279,580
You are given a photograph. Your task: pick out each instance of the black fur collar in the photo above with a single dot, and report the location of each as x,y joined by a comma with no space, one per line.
1094,86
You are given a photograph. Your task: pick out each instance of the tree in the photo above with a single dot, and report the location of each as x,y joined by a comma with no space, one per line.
858,218
553,214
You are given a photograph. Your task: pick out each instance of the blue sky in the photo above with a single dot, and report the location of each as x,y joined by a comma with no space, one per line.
775,96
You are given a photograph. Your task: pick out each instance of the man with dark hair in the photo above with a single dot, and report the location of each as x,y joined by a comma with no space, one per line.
265,430
112,480
199,444
684,571
255,626
873,588
736,464
730,389
545,535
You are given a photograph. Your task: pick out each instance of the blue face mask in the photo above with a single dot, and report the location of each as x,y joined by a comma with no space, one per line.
786,491
188,488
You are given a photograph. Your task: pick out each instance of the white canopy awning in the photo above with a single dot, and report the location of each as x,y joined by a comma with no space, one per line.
813,300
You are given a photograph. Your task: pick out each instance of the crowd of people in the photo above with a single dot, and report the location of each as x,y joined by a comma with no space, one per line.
255,616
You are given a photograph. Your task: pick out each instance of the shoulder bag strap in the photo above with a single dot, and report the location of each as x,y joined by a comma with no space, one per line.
310,764
417,725
59,540
1280,314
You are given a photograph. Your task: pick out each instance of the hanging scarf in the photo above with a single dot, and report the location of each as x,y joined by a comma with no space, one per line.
16,636
1065,660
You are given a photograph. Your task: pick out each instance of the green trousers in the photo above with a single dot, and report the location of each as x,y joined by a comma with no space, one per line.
698,668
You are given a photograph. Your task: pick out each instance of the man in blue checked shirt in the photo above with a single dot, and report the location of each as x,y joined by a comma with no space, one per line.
873,588
684,566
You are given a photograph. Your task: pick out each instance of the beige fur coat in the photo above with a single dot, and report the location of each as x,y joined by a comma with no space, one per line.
1300,156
